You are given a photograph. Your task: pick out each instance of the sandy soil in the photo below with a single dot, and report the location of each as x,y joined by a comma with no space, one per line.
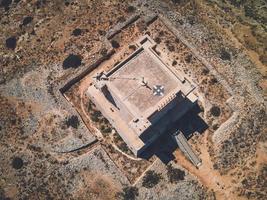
221,185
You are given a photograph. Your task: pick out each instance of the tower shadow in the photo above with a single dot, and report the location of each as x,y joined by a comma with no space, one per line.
164,146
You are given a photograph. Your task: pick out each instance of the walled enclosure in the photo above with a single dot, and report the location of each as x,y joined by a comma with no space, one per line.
127,96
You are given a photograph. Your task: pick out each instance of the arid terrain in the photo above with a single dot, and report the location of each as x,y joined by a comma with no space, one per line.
56,144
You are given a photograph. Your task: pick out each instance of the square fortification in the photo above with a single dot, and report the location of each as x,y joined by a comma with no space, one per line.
141,96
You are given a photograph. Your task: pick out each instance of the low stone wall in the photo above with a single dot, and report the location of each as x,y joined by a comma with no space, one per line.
89,69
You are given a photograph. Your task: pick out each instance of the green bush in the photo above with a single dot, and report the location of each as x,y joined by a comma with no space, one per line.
95,115
215,111
123,146
130,9
107,130
249,12
73,121
94,118
117,138
175,175
129,193
102,128
225,55
151,179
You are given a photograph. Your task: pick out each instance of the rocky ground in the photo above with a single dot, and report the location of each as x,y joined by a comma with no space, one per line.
47,152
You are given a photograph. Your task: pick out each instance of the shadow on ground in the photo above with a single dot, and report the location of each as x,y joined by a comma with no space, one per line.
165,145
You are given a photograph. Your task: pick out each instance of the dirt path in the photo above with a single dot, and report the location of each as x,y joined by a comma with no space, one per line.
221,185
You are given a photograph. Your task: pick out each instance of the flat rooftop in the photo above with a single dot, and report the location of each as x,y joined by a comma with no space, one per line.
145,65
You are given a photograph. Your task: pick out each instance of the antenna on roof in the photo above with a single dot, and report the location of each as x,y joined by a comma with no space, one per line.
102,76
143,81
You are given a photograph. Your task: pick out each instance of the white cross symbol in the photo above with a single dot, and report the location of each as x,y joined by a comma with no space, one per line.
158,90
